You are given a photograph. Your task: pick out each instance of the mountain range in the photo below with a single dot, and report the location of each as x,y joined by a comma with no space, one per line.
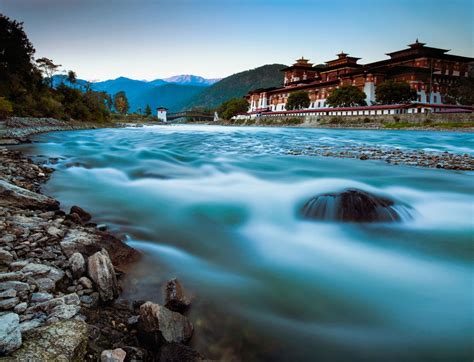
183,91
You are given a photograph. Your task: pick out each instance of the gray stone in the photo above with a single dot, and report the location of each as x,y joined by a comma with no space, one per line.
6,304
27,326
78,265
55,232
172,326
10,335
19,264
43,271
45,284
40,297
13,284
78,240
113,355
86,282
175,298
102,272
5,257
62,341
9,293
62,312
4,277
90,301
12,196
20,308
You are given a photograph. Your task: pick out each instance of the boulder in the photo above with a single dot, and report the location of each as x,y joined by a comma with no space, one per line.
84,215
20,308
10,335
14,196
55,232
79,241
175,299
5,257
77,264
102,273
10,303
162,322
37,271
62,341
113,355
40,297
13,284
353,205
86,282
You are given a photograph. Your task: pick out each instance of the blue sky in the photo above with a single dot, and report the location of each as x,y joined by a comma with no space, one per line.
144,39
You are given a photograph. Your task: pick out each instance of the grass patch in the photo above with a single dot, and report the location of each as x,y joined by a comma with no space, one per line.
429,124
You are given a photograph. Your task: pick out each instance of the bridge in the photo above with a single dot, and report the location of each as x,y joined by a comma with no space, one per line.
190,116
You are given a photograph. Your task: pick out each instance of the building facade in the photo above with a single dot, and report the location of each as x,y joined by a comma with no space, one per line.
430,71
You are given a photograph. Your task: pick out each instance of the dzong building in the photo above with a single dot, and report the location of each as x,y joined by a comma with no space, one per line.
430,71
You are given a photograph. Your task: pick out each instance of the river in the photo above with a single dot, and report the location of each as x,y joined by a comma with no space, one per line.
218,207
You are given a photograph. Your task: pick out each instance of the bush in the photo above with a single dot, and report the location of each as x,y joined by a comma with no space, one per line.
6,108
232,107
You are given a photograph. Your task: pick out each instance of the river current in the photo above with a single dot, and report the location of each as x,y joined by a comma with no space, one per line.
217,207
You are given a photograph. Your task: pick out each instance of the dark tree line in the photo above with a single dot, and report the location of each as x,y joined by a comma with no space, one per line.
26,85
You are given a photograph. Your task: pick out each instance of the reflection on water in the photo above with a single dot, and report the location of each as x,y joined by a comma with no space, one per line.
218,207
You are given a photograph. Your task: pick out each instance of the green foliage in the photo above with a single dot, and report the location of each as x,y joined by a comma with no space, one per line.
232,107
237,85
6,108
71,77
346,96
24,92
298,100
462,92
391,92
121,102
147,110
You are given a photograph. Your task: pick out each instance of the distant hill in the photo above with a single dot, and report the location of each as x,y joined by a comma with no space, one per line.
238,85
173,92
171,96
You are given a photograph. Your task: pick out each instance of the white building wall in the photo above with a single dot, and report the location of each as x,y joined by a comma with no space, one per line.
422,95
369,90
161,115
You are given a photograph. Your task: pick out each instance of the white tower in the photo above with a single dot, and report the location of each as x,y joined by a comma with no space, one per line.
161,114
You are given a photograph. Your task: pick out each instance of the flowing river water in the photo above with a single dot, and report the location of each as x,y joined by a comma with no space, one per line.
218,208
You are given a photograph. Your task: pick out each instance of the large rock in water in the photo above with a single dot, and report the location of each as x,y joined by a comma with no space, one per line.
10,335
62,341
102,272
353,205
175,299
158,320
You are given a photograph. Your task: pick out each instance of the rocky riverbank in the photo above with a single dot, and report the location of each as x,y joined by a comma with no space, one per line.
419,158
60,277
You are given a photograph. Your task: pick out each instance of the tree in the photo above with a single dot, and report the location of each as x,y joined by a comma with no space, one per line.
121,102
147,110
20,80
461,92
346,96
391,92
48,68
232,107
298,100
5,108
71,77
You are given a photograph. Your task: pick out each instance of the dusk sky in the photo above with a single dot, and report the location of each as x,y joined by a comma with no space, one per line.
144,39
